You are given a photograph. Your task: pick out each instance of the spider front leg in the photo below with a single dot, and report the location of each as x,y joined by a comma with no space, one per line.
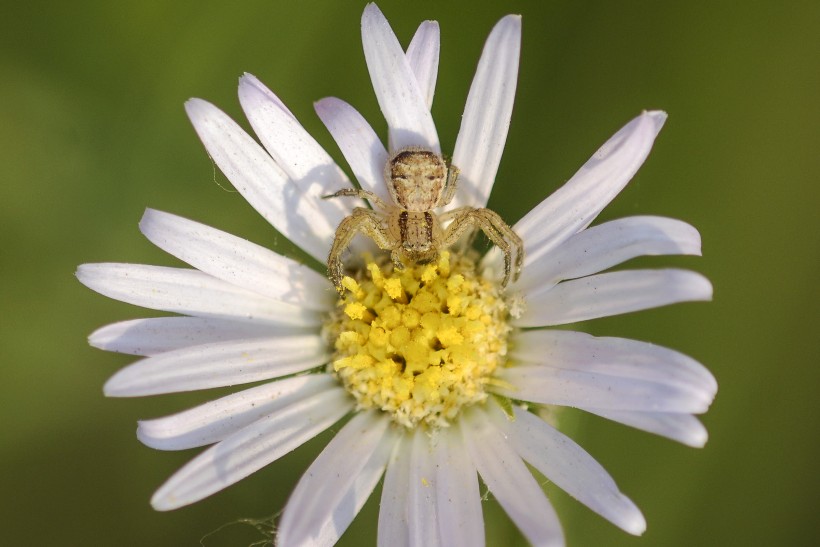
361,220
450,186
363,194
497,231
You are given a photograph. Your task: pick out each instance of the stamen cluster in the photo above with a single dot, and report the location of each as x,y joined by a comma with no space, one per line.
420,343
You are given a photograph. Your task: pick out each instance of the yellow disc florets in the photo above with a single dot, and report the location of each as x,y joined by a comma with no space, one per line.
420,343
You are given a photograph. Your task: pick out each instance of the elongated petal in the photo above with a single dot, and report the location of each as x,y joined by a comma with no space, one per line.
160,334
215,420
600,247
612,356
422,501
360,145
487,113
252,448
260,181
460,521
338,482
189,292
393,519
576,204
510,481
402,102
238,261
306,163
683,428
422,56
612,293
219,364
570,467
576,388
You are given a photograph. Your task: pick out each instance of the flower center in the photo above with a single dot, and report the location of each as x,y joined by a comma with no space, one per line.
420,343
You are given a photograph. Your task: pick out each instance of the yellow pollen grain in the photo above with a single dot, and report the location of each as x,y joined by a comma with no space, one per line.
422,343
429,273
375,275
450,337
349,337
454,304
454,283
355,310
393,288
399,337
350,284
410,318
472,313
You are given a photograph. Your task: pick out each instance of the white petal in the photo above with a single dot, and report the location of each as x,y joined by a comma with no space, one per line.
161,334
460,521
338,482
219,364
600,247
422,56
252,448
215,420
306,163
570,467
510,481
402,102
393,525
238,261
612,356
257,177
189,292
486,119
612,293
683,428
422,510
576,204
578,388
360,145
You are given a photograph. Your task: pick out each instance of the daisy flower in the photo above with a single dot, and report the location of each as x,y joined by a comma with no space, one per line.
437,370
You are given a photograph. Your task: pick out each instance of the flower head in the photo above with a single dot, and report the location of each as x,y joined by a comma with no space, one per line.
437,368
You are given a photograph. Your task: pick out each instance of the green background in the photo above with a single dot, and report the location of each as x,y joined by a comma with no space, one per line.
92,131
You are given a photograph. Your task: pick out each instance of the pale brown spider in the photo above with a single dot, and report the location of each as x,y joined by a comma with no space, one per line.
419,181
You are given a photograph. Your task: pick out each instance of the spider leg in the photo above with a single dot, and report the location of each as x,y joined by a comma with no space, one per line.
497,231
395,257
361,220
359,193
461,243
450,186
450,215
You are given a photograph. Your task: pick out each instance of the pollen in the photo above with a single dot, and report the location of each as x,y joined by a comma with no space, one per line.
422,343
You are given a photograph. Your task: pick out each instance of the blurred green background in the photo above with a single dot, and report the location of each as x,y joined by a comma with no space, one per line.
92,131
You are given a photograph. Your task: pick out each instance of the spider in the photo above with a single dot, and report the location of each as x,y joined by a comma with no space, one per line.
419,181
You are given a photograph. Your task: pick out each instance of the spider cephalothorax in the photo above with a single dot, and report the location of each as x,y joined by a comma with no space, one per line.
419,181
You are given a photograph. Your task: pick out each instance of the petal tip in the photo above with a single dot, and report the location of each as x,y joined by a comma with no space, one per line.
704,288
658,117
110,389
636,525
371,13
197,108
697,439
82,273
164,503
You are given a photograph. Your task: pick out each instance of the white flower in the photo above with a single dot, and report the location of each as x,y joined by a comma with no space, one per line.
249,314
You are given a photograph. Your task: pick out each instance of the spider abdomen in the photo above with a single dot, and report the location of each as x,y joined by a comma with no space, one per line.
418,233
